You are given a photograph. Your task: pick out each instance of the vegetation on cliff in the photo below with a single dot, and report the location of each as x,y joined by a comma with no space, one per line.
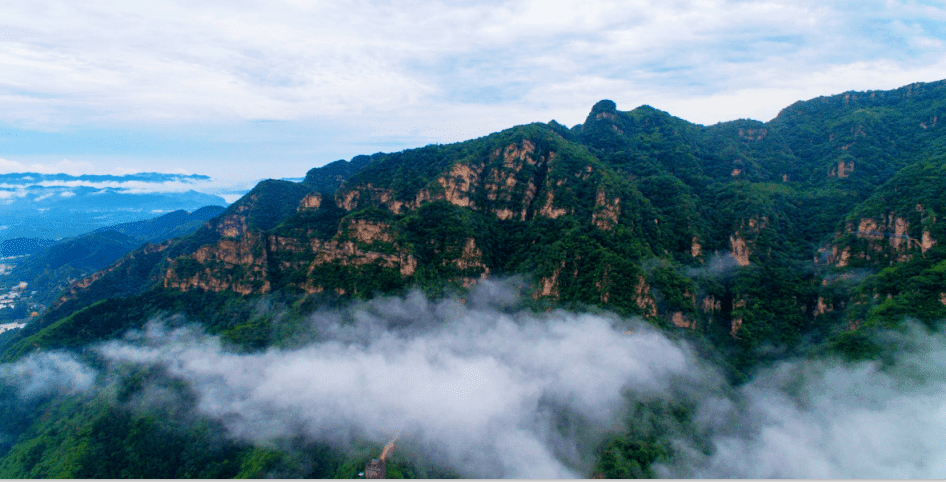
752,240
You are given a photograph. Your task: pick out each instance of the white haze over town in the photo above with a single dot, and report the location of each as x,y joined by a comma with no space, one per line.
479,386
249,90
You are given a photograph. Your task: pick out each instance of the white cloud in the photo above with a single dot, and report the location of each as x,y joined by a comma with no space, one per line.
64,166
492,391
827,419
476,388
370,75
48,373
185,61
12,192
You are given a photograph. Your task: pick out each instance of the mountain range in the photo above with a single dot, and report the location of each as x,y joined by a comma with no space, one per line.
53,265
805,236
53,206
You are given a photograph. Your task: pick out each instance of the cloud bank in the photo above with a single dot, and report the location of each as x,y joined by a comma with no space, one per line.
831,420
472,62
271,89
46,374
481,390
490,390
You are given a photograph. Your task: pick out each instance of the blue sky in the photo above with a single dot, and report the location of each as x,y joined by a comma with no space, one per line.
243,90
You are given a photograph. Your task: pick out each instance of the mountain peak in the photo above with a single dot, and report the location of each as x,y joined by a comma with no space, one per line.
604,106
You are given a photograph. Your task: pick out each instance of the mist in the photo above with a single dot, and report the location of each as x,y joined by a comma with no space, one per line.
46,374
476,386
829,419
489,389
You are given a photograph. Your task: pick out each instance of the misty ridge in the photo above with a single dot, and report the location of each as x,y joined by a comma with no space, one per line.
484,387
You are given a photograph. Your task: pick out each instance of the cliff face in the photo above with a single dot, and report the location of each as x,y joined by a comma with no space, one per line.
743,230
517,177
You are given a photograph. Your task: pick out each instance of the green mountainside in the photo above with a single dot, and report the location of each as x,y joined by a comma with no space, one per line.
801,236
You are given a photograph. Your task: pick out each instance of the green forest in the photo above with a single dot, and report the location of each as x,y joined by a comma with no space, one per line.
803,237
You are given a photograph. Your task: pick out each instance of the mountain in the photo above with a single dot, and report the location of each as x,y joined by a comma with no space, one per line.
54,206
755,242
171,225
61,263
23,246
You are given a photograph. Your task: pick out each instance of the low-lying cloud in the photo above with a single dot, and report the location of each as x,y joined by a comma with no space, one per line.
489,389
46,374
480,389
831,420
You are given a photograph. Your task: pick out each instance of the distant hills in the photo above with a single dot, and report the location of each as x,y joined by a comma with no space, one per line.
57,264
23,246
171,225
53,206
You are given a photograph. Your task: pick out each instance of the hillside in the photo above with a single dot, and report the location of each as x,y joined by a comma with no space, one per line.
57,264
750,242
23,246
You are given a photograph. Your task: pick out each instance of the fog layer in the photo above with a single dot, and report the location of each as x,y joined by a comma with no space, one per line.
488,389
487,392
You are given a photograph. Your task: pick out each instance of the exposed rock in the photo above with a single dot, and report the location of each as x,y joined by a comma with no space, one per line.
821,307
218,260
348,199
696,250
458,184
844,259
844,169
504,213
347,253
711,304
548,286
752,134
605,115
472,257
606,212
604,285
900,238
644,299
867,229
549,211
682,321
739,251
233,225
896,229
311,201
736,319
369,231
926,242
368,195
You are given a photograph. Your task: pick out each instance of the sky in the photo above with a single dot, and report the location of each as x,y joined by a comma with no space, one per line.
243,90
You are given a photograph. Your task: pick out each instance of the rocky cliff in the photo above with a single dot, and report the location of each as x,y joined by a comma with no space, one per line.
744,231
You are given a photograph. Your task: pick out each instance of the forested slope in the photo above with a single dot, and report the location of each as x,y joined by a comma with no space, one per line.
753,241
